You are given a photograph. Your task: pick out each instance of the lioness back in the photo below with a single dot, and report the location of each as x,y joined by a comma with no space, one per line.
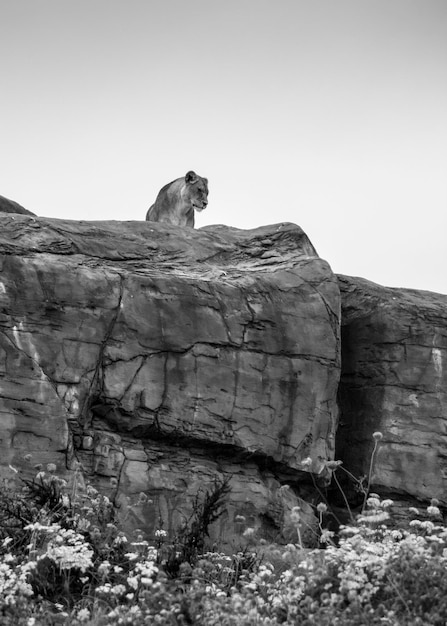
177,201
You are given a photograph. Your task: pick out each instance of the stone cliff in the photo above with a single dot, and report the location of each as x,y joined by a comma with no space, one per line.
157,359
152,360
394,380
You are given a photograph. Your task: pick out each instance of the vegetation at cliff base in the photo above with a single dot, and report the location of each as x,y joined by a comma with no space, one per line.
64,560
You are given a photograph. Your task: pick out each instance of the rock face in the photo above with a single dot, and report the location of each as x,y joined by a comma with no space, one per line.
9,206
394,380
160,358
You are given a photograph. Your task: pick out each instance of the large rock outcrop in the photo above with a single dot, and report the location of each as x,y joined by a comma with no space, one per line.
159,358
394,380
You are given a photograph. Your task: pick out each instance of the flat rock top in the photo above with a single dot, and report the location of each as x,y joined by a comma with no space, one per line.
143,245
361,297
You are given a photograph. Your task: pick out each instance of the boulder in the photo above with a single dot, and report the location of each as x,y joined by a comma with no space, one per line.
10,206
157,359
394,381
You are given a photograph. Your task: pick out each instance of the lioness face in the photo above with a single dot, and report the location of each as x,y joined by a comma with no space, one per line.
196,191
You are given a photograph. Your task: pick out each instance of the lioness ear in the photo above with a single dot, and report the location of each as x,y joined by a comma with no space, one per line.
191,177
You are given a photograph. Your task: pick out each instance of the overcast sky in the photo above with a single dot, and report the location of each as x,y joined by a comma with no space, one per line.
331,114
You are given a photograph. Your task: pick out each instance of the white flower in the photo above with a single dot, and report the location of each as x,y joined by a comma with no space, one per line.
433,511
326,536
83,615
387,503
373,502
104,568
132,581
118,590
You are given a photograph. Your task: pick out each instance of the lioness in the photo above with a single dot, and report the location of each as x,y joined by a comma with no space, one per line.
177,201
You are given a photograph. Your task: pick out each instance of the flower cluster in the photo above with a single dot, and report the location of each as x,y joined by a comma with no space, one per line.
75,564
13,581
65,547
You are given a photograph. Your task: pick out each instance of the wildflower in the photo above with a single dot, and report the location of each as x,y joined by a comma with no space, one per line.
161,534
121,538
326,536
295,514
65,501
414,510
132,581
321,507
68,550
83,615
240,519
51,468
104,568
433,511
374,518
387,503
249,532
373,502
6,541
377,436
8,558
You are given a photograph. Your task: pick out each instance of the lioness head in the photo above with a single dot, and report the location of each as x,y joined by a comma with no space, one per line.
195,191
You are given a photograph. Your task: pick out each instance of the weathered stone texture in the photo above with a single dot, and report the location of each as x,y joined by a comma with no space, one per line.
10,206
394,380
148,352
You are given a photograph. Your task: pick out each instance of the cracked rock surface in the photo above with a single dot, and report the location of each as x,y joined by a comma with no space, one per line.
394,380
163,357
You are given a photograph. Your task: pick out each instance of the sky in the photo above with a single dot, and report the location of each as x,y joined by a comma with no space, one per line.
331,114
